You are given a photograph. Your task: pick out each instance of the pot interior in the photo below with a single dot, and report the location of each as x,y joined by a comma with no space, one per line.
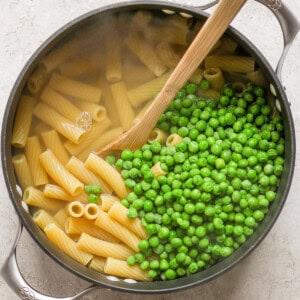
82,50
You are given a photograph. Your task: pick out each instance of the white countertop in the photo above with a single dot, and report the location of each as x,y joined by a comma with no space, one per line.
272,271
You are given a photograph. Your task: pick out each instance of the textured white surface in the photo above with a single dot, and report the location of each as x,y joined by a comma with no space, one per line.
272,271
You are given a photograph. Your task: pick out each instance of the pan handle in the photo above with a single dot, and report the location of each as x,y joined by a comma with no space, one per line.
13,277
289,24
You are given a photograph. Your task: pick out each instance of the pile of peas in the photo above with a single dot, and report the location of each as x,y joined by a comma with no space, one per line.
219,183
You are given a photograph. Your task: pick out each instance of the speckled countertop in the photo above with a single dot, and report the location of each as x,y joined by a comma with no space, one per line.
272,271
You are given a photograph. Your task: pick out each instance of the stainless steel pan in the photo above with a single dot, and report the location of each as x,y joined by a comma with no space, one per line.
10,271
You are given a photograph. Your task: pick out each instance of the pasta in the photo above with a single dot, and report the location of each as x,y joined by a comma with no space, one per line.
157,135
59,174
37,80
215,78
113,227
75,209
146,53
78,169
100,142
113,71
173,139
122,269
80,225
66,244
60,104
61,217
102,248
107,201
74,88
124,109
95,132
97,264
157,170
230,63
99,166
42,219
119,213
64,126
146,91
33,150
22,121
56,192
22,170
53,142
91,211
167,54
97,112
35,197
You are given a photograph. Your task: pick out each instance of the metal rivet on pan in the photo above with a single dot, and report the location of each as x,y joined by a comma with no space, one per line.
130,281
185,15
272,89
112,278
278,105
19,190
168,12
25,206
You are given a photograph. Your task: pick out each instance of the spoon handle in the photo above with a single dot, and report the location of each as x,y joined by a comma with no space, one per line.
209,34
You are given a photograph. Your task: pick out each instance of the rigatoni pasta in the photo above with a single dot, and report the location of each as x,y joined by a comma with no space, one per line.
22,170
22,121
33,150
66,244
59,174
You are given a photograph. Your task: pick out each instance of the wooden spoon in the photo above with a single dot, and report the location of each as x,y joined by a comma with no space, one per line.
209,34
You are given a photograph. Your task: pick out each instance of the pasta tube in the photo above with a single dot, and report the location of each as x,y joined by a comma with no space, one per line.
146,53
37,80
66,244
33,150
107,201
215,78
121,268
141,19
119,213
93,134
146,91
60,104
108,173
64,126
91,211
97,112
113,71
61,217
157,135
116,229
22,171
157,170
35,197
56,192
173,139
241,64
22,121
197,76
167,54
209,94
98,247
75,209
101,141
74,88
80,225
84,65
124,109
78,169
257,77
59,174
42,219
53,142
97,264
